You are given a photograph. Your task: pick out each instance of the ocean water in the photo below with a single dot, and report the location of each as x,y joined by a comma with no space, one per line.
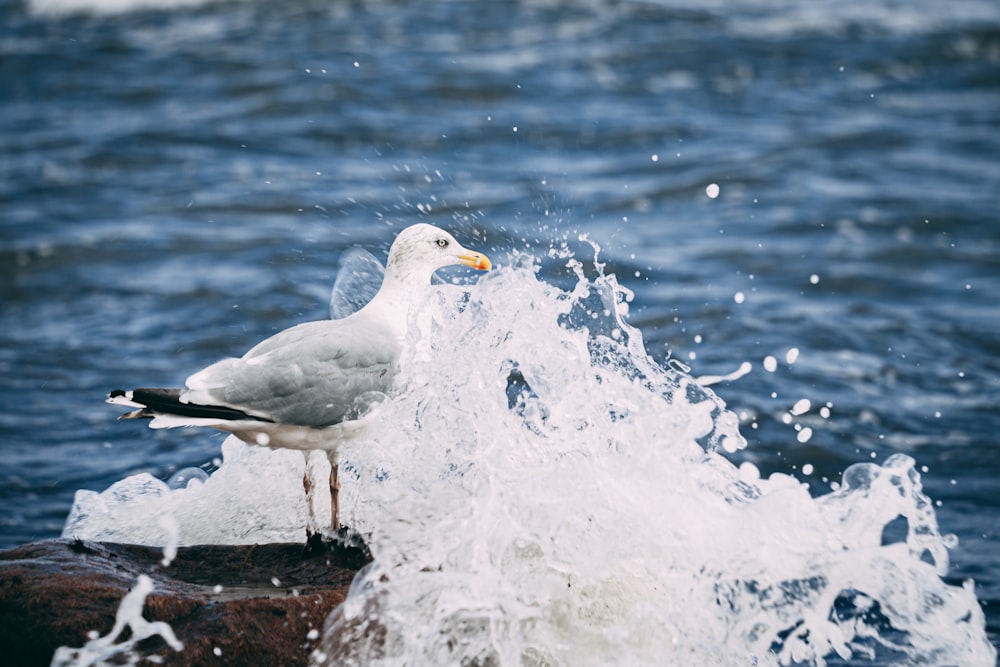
670,191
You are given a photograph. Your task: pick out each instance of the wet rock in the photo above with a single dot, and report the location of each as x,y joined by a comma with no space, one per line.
229,605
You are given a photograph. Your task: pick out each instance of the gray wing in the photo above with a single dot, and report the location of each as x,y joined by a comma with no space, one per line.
314,374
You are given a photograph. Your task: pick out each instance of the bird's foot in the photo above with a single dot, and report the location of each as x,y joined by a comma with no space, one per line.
345,541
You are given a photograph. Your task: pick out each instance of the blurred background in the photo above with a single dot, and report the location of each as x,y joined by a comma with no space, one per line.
811,188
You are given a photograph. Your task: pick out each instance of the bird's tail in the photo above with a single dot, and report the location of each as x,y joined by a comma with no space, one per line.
152,403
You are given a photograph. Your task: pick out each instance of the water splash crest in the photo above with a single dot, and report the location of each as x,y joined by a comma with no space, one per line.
544,493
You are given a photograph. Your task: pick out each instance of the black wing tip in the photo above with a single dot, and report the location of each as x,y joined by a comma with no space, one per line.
156,401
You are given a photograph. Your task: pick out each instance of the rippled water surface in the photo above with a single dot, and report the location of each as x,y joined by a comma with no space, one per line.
180,179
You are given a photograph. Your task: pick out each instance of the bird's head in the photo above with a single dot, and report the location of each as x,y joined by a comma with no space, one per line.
422,249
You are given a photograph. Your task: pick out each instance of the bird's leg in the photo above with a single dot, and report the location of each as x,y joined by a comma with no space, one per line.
308,483
334,494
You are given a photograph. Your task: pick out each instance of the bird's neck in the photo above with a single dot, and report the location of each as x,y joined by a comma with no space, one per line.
391,305
404,275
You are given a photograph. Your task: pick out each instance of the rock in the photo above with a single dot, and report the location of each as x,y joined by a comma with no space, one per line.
53,593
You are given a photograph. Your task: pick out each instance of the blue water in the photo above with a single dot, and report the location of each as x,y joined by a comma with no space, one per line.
178,183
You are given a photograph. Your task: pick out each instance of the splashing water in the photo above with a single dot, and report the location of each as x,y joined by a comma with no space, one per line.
543,493
540,492
105,651
358,279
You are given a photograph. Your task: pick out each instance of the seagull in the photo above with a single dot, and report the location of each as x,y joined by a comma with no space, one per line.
310,387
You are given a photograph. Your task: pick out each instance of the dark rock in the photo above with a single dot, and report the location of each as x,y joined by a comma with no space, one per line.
54,593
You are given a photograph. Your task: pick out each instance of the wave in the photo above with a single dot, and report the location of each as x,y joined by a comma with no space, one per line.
764,19
103,7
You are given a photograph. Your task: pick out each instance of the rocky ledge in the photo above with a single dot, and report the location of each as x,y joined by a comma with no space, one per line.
228,605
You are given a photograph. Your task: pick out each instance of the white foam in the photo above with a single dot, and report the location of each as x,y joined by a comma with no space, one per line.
255,496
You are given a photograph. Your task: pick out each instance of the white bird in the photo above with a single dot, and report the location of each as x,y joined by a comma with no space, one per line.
309,386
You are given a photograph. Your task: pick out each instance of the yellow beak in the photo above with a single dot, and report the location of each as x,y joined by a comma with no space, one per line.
476,260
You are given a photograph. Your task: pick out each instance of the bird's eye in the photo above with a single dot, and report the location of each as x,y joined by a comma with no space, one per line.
442,243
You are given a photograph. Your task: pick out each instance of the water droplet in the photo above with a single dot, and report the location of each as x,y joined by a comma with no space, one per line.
183,477
801,406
